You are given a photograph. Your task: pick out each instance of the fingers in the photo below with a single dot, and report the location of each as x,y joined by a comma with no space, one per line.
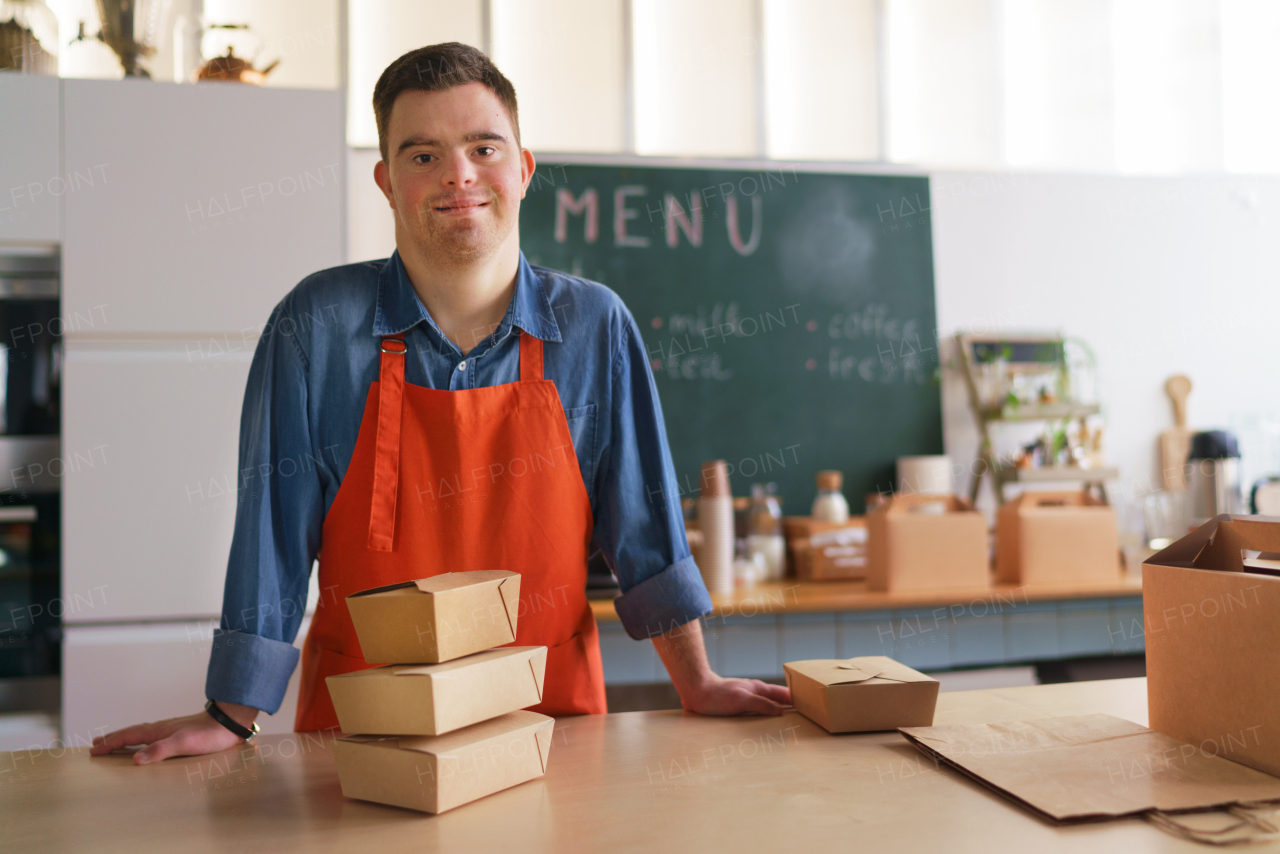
738,697
777,693
189,736
178,744
137,734
757,704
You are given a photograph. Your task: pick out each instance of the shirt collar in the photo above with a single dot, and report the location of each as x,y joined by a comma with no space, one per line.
400,309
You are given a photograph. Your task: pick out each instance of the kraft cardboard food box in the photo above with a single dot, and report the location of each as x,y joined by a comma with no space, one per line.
1211,622
837,554
926,542
437,773
864,694
436,619
1056,538
433,699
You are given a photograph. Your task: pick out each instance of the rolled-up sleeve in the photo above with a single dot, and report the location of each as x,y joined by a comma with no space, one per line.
279,513
639,525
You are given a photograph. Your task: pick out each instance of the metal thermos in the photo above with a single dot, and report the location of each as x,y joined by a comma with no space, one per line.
1213,476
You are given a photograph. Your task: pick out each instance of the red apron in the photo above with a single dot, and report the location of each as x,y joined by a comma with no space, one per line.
453,481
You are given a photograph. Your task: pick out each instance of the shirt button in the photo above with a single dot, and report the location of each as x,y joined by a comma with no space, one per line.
462,366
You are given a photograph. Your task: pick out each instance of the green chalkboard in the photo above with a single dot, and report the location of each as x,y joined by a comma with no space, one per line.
789,316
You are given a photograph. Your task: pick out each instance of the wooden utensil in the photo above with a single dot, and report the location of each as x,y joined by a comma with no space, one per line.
1175,444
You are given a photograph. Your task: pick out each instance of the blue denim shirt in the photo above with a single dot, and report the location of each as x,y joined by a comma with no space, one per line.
302,408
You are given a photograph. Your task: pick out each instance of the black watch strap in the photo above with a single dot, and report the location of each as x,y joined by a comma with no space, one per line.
223,718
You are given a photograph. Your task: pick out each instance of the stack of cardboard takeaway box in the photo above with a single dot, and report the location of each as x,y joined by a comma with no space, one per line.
440,724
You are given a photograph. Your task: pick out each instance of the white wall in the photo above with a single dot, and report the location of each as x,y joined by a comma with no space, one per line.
1159,275
32,183
371,225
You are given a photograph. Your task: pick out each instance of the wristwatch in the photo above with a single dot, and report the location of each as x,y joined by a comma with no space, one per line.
227,721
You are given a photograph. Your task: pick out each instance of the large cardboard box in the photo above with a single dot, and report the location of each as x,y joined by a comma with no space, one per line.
923,542
864,694
1056,538
1211,614
440,772
436,619
432,699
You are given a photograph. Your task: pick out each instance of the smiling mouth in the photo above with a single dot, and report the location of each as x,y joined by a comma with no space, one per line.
460,206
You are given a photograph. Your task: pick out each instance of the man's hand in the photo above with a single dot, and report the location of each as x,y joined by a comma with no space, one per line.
702,691
721,696
189,736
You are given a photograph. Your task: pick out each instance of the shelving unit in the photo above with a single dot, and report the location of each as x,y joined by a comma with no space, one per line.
1032,354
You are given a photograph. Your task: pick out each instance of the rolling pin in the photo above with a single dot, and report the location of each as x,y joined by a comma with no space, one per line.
1175,444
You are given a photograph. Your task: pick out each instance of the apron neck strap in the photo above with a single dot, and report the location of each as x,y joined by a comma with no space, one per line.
386,468
530,357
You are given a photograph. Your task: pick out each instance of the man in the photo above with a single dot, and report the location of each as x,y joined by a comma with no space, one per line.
395,400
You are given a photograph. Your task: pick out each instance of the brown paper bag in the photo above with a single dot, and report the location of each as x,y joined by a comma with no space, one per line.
1212,630
1093,767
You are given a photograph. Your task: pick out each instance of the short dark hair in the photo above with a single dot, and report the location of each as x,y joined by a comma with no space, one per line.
433,69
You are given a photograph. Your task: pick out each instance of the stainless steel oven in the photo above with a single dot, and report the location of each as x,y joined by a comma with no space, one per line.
31,603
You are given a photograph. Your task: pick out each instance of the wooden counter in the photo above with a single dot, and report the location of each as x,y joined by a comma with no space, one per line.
793,596
642,781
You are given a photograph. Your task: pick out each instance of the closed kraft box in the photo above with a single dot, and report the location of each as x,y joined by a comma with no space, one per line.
923,542
432,699
865,694
1056,537
436,619
434,773
1211,613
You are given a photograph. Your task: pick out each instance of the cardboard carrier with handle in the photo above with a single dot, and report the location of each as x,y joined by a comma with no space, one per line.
923,542
1056,538
1211,608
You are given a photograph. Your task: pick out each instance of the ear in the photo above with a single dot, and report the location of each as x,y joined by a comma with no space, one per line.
526,170
382,176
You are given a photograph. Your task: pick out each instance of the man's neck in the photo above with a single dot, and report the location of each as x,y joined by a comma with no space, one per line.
467,301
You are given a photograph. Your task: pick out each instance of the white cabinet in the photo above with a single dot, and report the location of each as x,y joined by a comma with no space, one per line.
150,440
196,209
208,202
32,183
116,676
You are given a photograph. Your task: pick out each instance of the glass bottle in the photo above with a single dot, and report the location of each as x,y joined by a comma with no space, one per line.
765,541
830,504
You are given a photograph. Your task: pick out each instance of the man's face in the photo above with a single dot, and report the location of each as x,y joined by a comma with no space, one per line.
454,173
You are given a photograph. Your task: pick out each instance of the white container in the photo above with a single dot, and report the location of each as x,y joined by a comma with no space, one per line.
772,549
715,521
926,475
748,571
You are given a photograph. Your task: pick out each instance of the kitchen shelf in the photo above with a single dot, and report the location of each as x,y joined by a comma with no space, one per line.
1050,474
988,416
1042,412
